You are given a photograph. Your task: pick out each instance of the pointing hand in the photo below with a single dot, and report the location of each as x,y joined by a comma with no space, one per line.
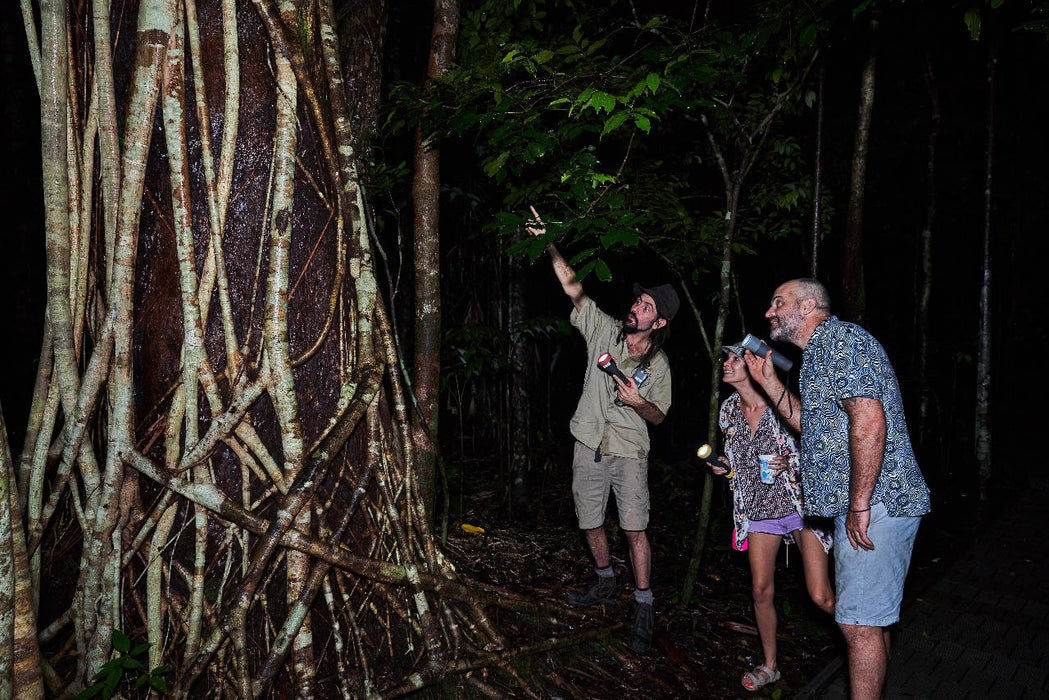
535,226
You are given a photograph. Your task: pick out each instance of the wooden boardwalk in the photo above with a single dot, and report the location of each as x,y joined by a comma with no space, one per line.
981,628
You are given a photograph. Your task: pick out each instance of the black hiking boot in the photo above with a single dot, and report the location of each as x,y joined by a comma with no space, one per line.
603,591
641,631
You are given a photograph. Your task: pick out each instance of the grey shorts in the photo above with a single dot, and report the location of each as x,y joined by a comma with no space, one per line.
628,478
870,583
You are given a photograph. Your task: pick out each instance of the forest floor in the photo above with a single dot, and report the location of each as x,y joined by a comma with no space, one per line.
700,649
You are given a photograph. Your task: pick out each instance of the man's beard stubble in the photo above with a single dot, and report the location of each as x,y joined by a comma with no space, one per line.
786,327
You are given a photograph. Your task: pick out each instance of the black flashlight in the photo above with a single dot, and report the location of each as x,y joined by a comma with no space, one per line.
606,363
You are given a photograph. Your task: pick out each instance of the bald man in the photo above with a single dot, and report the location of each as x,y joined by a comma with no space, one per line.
857,466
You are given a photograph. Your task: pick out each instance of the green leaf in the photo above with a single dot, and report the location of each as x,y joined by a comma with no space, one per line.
620,236
494,165
112,679
594,47
139,649
582,100
585,270
602,271
602,101
544,56
808,36
158,683
614,122
108,667
511,56
89,692
653,81
582,256
973,22
133,664
142,680
642,122
120,642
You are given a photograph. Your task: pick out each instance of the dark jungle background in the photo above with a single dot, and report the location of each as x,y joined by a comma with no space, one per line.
669,184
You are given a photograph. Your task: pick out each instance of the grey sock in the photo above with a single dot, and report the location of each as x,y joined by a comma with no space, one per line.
643,595
607,572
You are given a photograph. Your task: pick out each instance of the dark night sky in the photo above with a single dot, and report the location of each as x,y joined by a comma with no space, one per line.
22,261
894,206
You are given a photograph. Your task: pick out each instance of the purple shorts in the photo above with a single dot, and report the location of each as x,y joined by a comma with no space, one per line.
777,526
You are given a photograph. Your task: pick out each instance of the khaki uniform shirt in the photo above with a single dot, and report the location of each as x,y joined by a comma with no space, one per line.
598,422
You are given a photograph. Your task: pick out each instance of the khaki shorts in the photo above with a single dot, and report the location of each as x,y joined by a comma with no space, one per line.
628,478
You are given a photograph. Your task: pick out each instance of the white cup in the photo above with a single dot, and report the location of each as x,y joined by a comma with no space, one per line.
768,472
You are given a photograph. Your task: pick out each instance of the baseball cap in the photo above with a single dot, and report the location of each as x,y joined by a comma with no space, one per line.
736,349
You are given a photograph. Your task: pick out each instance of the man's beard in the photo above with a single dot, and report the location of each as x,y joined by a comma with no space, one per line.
630,325
786,327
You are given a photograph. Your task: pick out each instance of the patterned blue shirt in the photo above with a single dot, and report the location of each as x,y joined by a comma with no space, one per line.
842,361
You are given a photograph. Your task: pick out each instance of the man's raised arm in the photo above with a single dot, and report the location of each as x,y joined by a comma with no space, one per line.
565,274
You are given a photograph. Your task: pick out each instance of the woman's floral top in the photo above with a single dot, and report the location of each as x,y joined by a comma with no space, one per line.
752,499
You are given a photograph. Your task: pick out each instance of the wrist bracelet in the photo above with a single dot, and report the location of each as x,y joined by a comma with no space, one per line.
864,510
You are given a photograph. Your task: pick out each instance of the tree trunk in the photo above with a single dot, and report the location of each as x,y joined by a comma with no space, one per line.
983,354
732,180
925,292
221,461
20,674
362,42
817,182
699,540
426,192
853,289
520,401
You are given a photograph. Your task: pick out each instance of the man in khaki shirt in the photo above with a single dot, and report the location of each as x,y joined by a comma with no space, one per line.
611,449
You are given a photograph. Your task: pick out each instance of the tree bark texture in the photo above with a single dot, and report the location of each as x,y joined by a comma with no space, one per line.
853,290
519,401
426,193
362,42
924,295
982,422
219,459
732,177
20,674
817,182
